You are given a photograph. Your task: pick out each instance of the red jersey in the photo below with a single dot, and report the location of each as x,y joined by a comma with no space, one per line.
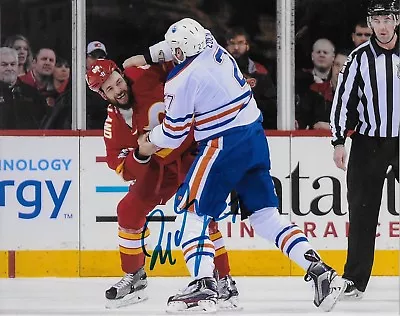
324,89
122,128
50,94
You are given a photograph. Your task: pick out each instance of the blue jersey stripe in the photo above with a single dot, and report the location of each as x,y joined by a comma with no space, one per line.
295,242
234,101
179,119
200,253
194,239
180,67
216,125
173,136
281,233
220,124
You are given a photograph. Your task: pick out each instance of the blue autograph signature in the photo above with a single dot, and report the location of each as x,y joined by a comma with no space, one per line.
166,255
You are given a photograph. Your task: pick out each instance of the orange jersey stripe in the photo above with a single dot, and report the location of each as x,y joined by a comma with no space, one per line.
218,116
198,246
284,241
200,172
177,128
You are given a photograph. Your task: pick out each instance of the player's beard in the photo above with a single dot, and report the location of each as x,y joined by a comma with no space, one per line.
127,105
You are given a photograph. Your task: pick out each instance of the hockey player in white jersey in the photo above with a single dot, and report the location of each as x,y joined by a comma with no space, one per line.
206,89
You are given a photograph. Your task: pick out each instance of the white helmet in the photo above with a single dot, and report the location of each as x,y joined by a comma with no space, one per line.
188,35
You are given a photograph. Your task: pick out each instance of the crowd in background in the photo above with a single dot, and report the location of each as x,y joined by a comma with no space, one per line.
35,83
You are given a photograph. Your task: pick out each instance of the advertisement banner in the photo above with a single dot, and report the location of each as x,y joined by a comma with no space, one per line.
101,190
319,202
311,190
59,198
39,193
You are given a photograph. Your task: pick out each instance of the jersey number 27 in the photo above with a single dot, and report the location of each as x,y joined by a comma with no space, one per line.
236,73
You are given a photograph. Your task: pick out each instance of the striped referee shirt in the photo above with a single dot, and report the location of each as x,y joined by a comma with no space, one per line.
367,94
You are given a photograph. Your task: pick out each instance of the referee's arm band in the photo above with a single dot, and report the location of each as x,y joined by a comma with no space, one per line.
339,141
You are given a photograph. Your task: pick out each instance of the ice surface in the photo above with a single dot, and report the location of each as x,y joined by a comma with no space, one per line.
270,296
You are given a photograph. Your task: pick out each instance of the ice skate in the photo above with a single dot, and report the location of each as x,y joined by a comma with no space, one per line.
228,295
351,293
328,286
199,296
129,290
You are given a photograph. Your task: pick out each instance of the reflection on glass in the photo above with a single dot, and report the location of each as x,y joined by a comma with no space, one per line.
127,28
324,29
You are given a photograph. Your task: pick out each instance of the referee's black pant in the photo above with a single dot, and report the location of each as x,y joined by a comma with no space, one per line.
369,160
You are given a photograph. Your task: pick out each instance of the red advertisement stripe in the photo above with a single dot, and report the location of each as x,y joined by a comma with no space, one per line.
11,264
101,159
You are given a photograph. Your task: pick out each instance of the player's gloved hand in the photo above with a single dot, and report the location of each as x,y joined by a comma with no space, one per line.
134,61
145,147
339,156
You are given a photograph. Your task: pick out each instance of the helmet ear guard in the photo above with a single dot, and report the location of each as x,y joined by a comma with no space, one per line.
188,36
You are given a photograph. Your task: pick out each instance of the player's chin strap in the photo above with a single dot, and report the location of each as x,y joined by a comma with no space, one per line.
384,43
396,19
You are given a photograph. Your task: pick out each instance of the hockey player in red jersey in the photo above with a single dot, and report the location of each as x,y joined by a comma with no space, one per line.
137,106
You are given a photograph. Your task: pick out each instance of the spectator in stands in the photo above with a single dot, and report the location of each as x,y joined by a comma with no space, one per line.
312,109
237,43
61,113
306,101
21,106
95,50
41,75
338,63
61,75
21,44
322,56
96,106
361,33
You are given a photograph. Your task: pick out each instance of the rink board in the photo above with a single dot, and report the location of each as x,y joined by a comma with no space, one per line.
86,263
58,205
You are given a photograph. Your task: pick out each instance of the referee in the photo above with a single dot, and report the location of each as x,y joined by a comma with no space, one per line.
367,100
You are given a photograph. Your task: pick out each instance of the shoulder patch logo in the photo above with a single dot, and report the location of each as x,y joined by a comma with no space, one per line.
348,60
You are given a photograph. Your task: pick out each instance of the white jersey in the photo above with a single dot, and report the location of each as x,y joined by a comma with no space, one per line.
207,90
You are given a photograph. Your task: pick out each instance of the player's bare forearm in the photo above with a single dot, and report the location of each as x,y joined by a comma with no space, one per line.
134,61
